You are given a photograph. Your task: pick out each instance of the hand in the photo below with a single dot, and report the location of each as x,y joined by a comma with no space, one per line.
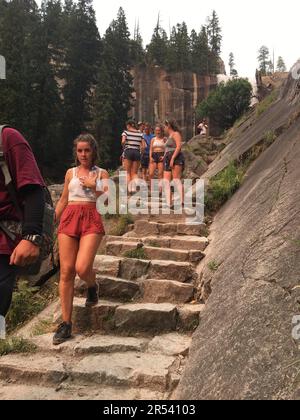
172,163
26,253
89,182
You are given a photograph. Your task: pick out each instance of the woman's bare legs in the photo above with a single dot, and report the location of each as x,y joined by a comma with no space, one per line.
128,168
68,249
177,175
167,187
134,174
88,248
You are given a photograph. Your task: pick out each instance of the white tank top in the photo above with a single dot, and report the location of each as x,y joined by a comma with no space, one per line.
82,194
159,143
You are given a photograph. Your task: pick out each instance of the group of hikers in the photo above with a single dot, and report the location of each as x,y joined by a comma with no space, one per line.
159,151
80,226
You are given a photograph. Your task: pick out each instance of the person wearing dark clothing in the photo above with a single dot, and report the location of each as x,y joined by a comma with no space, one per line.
29,185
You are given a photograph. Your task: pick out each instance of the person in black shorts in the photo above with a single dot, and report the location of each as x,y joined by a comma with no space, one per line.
174,161
133,143
157,153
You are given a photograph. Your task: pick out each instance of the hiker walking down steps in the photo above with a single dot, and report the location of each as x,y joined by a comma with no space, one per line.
21,208
134,144
80,230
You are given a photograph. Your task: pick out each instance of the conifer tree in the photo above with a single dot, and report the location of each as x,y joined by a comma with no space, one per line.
157,50
281,67
233,71
113,96
264,60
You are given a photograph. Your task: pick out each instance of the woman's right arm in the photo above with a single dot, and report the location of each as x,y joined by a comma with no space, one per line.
64,200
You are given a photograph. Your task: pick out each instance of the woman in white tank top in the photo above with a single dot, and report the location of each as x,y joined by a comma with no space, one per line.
80,230
157,152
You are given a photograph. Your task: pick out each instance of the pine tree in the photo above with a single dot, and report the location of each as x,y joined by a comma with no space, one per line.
179,52
281,67
233,71
137,51
113,96
264,60
157,50
82,52
200,52
214,32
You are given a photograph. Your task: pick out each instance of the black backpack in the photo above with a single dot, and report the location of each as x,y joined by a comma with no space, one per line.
14,229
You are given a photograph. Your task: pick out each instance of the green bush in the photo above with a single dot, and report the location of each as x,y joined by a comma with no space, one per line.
16,346
227,104
266,103
137,254
223,186
122,224
25,305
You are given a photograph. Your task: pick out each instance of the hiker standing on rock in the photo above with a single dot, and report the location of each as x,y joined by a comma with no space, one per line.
80,230
174,161
25,192
134,144
157,153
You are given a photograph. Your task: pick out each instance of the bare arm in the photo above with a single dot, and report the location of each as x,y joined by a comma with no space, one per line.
124,138
64,200
177,137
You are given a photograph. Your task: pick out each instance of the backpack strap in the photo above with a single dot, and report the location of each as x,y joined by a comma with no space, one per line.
7,176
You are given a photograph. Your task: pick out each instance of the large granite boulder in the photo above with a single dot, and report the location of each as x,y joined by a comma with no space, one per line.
244,347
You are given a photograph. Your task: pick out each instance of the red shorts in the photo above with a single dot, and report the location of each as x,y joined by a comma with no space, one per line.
81,220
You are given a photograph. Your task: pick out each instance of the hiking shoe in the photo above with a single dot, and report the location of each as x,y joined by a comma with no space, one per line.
63,333
92,297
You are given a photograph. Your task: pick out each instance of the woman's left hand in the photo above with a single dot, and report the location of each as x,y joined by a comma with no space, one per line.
172,163
89,182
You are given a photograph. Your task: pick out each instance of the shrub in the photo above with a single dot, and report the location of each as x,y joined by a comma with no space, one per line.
25,305
213,266
266,103
137,254
223,186
228,103
16,346
122,224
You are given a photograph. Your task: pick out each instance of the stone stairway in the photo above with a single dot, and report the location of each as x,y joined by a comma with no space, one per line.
134,343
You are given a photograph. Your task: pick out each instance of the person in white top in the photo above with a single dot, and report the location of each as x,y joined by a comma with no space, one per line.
157,153
80,229
202,128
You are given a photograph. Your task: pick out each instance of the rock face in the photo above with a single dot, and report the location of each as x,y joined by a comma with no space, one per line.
160,95
244,347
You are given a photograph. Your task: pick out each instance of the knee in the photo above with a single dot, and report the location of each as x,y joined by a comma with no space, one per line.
67,274
83,271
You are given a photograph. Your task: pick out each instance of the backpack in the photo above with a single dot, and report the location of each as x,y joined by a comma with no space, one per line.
14,229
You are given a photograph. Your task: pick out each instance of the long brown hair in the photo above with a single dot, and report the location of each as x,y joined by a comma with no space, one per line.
87,138
173,124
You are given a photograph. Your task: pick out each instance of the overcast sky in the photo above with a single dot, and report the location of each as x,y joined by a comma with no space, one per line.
246,25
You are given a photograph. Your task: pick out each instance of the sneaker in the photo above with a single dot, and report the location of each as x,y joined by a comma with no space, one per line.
92,297
63,333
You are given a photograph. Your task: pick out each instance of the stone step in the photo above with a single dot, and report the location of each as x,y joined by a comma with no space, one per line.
133,269
160,291
143,370
95,344
153,253
67,392
144,228
146,318
110,288
176,242
132,319
172,344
